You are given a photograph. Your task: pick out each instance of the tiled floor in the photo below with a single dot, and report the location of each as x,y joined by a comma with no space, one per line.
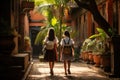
80,71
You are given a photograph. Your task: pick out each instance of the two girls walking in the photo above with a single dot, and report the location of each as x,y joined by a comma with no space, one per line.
51,42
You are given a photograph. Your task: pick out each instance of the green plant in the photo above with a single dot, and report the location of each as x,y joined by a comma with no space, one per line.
53,10
99,47
96,42
101,33
100,38
84,47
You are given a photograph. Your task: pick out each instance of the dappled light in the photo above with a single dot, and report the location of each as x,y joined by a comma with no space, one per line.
80,71
94,26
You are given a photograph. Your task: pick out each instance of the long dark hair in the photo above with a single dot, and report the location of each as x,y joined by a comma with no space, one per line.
51,34
66,33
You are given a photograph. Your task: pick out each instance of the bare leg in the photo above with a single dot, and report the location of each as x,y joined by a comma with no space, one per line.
51,64
65,66
69,64
52,67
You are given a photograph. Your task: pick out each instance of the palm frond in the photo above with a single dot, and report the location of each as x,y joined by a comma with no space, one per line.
94,36
41,35
101,34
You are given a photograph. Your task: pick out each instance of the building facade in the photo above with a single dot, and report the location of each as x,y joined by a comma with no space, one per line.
85,25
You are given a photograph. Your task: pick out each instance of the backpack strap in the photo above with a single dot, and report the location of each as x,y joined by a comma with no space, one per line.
66,42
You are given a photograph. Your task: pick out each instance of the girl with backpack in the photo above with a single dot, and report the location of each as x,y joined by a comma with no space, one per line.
67,51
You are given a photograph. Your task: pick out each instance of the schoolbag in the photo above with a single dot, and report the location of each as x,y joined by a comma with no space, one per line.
67,49
50,45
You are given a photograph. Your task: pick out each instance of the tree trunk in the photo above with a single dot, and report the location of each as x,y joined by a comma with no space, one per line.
102,22
92,7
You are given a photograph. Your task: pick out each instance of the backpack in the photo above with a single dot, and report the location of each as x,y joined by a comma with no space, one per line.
50,45
67,49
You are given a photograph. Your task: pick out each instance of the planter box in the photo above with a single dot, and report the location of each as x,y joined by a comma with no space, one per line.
21,60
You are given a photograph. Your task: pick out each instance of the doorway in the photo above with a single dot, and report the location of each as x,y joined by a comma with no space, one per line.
36,49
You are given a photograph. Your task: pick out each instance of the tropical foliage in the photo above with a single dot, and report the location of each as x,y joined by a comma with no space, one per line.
53,10
96,42
101,33
100,40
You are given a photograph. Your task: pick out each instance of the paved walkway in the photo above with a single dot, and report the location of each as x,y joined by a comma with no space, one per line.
80,71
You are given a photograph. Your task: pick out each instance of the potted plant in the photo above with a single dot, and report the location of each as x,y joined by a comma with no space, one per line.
85,49
101,50
98,50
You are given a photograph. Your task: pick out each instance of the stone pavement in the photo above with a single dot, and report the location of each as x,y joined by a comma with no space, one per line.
79,70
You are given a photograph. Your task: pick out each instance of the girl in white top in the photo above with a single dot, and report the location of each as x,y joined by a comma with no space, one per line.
65,57
51,49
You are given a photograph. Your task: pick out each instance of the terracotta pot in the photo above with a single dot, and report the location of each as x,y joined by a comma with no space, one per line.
91,57
82,55
86,56
96,60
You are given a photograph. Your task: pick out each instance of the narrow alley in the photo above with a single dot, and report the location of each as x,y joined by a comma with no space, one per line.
79,70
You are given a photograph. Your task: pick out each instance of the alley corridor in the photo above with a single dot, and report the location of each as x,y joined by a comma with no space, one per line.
79,70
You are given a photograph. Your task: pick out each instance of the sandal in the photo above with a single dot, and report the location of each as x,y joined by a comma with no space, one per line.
65,73
51,72
69,71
